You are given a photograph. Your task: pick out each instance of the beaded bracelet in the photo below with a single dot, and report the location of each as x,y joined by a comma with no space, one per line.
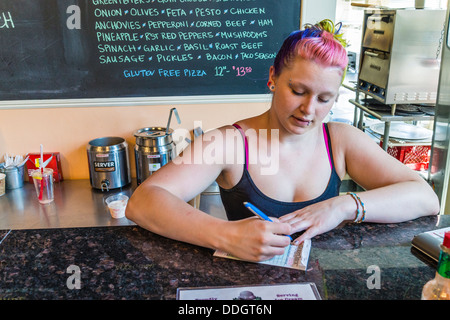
363,209
358,203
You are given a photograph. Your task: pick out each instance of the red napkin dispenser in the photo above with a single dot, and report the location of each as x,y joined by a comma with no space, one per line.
55,164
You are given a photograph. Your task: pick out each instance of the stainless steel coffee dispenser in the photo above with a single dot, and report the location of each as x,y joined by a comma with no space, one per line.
400,55
154,148
109,166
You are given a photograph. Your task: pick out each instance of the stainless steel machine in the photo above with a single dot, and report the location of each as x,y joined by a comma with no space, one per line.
400,54
440,161
109,164
154,148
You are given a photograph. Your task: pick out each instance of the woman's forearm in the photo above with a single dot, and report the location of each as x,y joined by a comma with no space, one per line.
399,202
159,211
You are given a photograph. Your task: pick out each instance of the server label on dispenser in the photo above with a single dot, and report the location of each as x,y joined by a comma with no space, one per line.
104,166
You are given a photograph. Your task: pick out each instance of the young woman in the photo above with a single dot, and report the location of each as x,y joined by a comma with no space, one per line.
312,157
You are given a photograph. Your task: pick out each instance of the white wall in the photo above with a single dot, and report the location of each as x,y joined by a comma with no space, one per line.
316,10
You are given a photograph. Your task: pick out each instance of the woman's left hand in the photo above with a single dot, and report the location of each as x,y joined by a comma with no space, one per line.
320,217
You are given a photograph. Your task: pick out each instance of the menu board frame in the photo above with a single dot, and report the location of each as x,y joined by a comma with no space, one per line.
139,52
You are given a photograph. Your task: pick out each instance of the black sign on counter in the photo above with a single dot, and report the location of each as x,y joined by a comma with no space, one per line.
77,49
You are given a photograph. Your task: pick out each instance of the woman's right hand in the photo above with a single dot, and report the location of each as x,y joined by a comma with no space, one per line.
253,239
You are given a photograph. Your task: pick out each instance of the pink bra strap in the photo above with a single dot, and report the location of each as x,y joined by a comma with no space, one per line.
325,136
245,143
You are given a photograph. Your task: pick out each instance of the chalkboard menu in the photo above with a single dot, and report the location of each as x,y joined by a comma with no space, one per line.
77,49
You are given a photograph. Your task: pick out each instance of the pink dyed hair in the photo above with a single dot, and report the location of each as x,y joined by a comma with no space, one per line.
314,43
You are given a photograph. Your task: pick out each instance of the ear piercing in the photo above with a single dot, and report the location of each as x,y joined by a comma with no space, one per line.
271,86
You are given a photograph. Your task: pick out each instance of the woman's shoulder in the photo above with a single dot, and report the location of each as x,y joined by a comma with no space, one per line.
250,123
243,124
341,126
345,132
349,142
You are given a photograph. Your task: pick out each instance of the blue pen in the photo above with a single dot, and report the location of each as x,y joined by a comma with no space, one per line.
259,213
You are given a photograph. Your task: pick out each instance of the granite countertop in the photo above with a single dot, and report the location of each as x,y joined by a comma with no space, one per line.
42,246
128,262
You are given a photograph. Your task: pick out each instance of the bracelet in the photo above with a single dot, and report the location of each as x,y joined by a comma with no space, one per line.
358,203
363,209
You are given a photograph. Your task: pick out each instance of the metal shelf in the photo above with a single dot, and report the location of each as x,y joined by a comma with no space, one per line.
385,117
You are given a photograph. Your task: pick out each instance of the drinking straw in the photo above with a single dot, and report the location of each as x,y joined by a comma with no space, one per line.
42,172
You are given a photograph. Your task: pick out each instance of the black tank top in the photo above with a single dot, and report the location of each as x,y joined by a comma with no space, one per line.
246,190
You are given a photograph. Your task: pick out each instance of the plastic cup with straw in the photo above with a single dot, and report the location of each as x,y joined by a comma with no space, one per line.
43,180
41,168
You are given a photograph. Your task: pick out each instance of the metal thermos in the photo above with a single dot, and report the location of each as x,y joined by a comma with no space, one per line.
14,176
154,148
108,163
